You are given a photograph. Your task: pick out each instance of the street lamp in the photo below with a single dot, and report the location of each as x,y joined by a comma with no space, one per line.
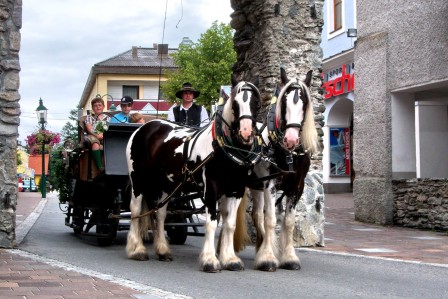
41,112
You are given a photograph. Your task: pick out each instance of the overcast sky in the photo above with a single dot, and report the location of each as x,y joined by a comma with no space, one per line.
63,39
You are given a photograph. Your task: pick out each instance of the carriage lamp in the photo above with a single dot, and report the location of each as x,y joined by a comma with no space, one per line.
352,32
112,106
41,112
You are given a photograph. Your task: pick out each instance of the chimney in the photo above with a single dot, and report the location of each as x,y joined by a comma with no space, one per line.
134,52
162,49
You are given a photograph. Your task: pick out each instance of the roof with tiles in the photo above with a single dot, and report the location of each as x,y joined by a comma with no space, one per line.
137,60
141,57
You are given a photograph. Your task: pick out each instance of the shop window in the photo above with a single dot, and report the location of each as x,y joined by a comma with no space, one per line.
340,152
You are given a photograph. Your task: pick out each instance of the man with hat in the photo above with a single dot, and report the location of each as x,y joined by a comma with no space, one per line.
126,107
188,113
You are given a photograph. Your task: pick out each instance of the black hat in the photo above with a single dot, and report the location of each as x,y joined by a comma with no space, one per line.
126,100
187,87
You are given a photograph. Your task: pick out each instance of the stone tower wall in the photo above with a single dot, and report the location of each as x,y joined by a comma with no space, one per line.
10,24
270,34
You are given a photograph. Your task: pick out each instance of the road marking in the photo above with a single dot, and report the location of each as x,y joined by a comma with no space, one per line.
376,250
302,249
426,238
367,229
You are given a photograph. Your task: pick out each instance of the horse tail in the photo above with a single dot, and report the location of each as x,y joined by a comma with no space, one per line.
146,222
241,237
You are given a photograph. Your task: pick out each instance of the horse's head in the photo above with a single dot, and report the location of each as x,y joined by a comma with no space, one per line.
241,109
294,113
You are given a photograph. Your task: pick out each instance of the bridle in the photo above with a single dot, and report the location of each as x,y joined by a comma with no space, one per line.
224,141
275,124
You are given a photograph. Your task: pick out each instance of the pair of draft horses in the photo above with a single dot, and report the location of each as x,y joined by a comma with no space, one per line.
223,159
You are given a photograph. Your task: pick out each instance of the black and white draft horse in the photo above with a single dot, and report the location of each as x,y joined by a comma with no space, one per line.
291,137
160,154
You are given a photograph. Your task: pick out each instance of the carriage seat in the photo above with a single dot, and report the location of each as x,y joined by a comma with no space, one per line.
84,142
148,117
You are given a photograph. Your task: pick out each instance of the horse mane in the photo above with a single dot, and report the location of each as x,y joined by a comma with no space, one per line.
227,113
308,133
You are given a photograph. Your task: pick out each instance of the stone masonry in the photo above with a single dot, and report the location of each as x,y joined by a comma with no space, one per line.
270,34
10,24
421,203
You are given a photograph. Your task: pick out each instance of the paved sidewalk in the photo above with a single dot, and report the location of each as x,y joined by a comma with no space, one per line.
344,234
27,276
22,275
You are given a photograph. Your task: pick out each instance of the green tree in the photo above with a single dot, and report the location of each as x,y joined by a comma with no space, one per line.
206,64
59,177
70,129
19,158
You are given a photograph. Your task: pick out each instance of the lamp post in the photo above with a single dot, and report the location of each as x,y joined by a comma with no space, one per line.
41,112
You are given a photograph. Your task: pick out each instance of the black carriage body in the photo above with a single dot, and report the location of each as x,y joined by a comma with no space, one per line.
101,200
93,190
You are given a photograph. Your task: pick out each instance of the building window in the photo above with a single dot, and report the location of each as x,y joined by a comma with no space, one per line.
337,14
130,90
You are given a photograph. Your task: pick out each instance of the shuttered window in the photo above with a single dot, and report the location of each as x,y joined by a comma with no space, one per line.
130,90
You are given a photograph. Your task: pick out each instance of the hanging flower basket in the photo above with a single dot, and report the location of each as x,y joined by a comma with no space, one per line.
35,141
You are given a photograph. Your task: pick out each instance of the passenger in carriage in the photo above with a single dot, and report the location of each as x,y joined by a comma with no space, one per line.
126,107
188,113
95,126
136,118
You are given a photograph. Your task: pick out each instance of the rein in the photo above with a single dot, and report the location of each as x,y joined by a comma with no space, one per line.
188,175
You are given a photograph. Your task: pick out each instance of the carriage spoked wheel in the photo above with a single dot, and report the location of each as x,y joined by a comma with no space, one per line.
78,220
177,234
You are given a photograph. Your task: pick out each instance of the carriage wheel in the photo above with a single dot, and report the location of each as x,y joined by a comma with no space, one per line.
78,220
108,227
177,234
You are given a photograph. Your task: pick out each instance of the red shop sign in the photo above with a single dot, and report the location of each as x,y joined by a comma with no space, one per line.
343,84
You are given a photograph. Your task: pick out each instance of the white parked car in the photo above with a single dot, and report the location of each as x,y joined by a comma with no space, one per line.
29,186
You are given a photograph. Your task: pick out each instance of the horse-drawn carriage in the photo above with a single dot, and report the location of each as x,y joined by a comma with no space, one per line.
149,168
98,204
